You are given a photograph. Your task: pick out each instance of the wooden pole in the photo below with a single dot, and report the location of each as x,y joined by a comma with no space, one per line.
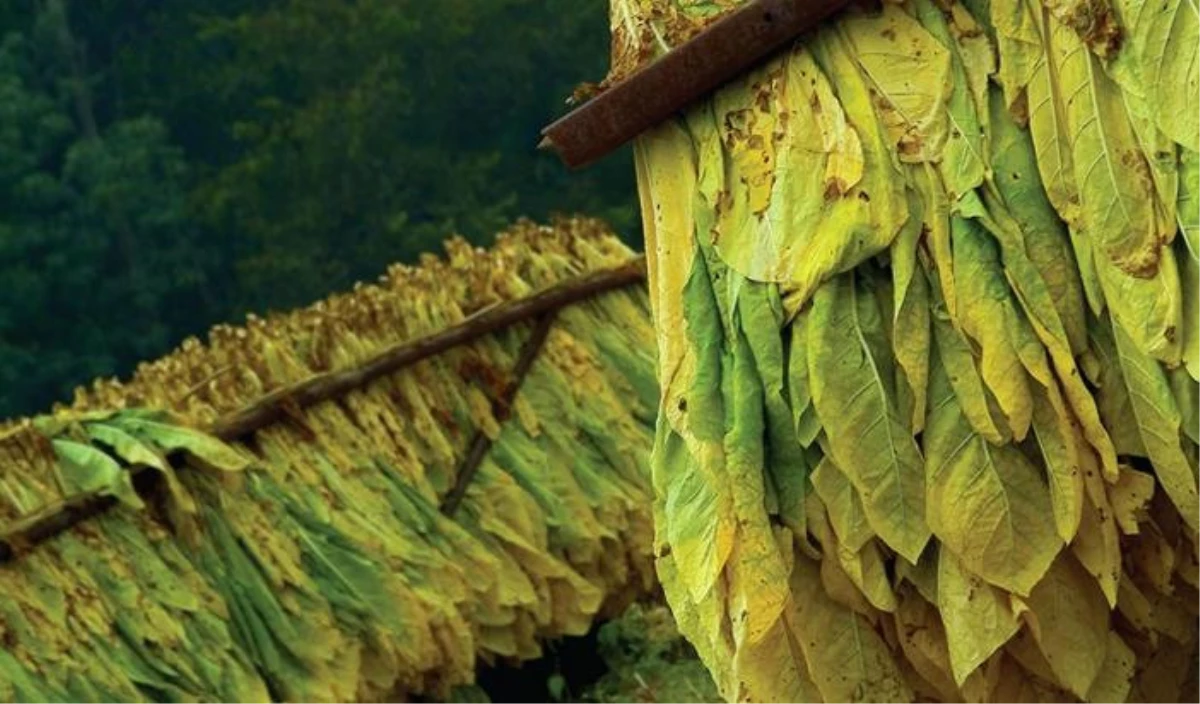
481,443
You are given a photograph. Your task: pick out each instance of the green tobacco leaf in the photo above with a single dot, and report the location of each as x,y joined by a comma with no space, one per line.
87,470
1187,208
137,454
762,315
690,477
849,366
804,413
205,449
758,600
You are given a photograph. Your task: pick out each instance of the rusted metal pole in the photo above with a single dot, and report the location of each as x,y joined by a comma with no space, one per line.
682,76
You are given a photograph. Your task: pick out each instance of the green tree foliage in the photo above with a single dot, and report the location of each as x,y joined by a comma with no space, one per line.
164,166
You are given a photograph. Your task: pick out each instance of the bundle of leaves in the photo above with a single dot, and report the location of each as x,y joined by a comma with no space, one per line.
925,287
309,560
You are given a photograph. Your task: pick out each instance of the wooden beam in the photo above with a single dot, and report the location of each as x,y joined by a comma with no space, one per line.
481,443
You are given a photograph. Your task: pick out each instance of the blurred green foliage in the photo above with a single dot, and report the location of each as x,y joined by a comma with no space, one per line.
168,165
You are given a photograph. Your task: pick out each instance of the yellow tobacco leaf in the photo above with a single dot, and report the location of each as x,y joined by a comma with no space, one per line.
1055,433
1137,610
1069,619
910,73
1036,226
979,618
923,640
858,579
1163,676
1019,46
1117,197
868,571
857,223
977,404
1189,566
842,505
666,193
1149,308
1097,544
984,311
1116,673
1016,684
1152,558
1162,39
854,399
793,193
842,589
936,232
1112,394
987,504
1159,422
1173,619
1050,129
963,161
844,153
910,312
848,660
773,670
765,667
1037,313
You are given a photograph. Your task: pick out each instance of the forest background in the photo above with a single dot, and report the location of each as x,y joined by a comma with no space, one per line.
169,164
